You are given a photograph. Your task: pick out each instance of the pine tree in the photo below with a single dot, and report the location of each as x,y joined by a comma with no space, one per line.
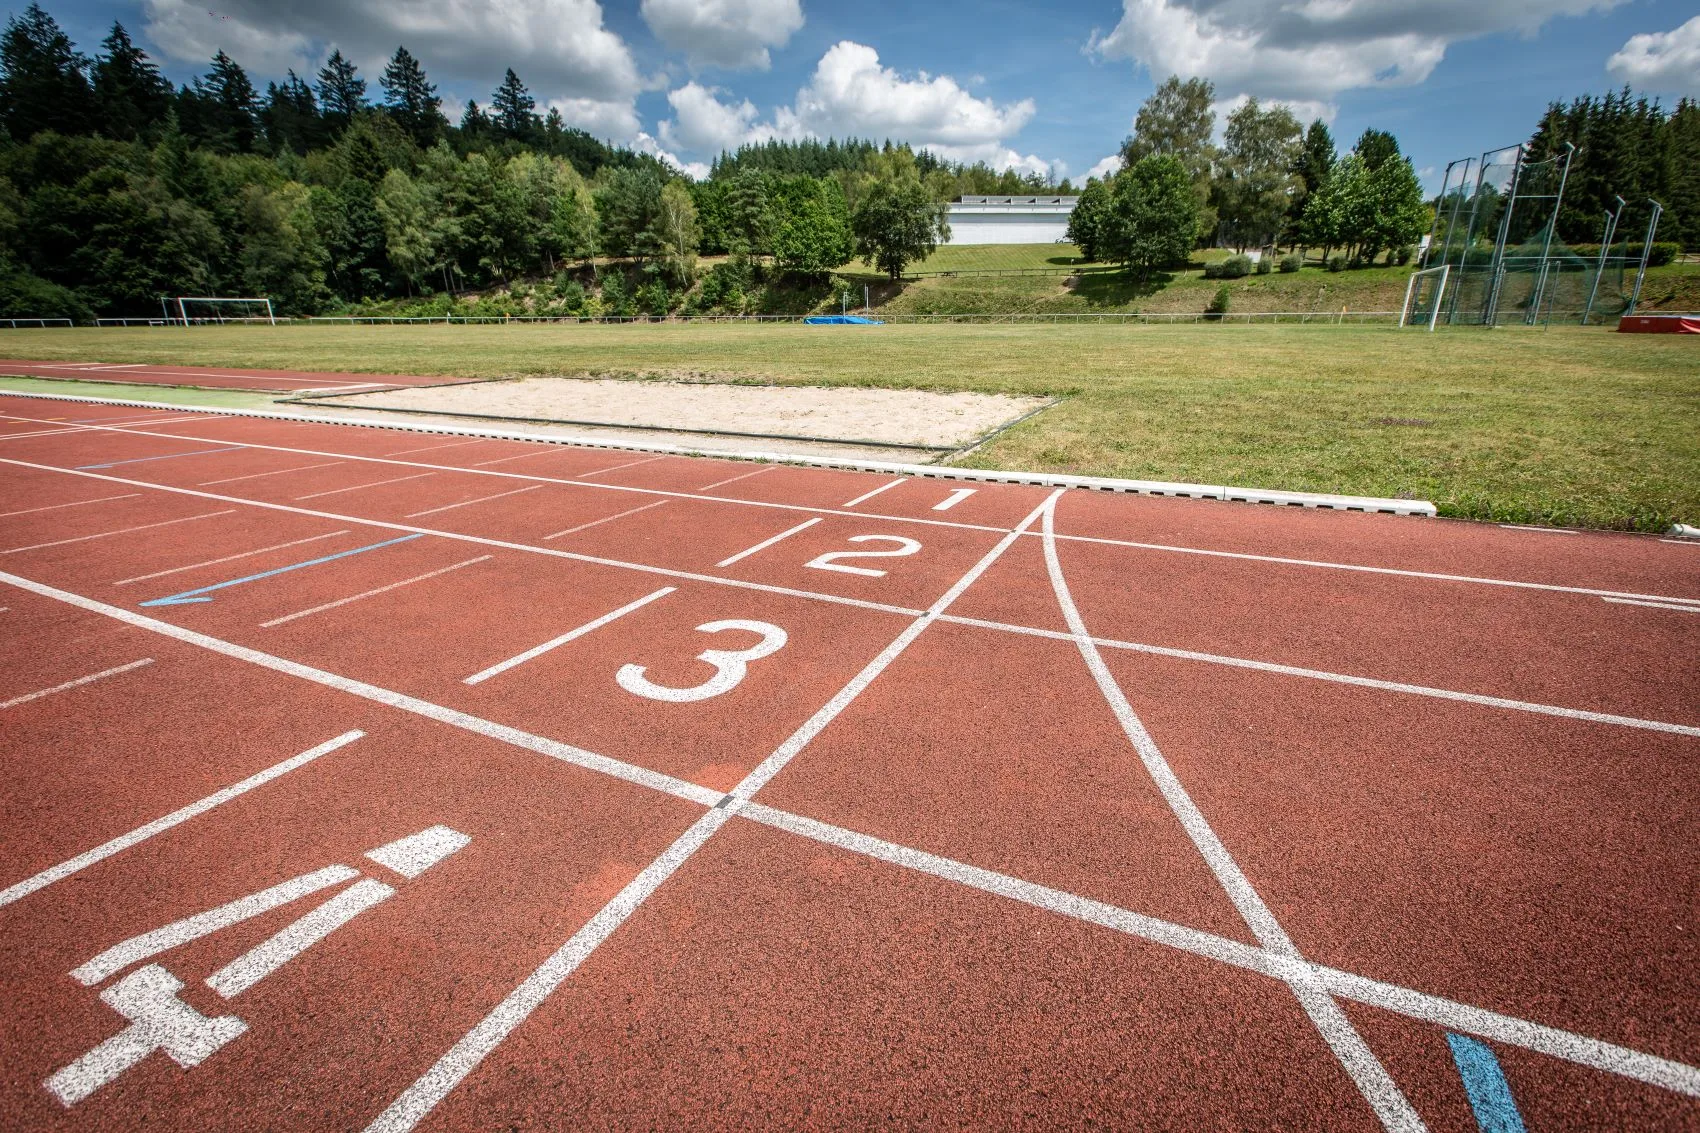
42,81
411,100
342,92
1376,147
291,117
512,109
129,93
474,123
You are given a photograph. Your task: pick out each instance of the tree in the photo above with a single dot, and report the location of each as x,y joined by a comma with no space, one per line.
1375,148
676,226
898,222
228,107
1257,185
748,214
129,93
1316,161
342,92
1153,214
411,100
1178,119
474,123
1395,214
815,235
1086,221
628,208
282,258
513,110
406,207
42,81
291,117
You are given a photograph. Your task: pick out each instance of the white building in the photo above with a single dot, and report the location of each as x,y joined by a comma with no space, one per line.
1010,220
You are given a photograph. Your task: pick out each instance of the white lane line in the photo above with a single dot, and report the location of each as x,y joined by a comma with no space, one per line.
289,942
870,495
415,1102
485,541
374,592
120,531
822,511
554,749
358,487
1685,608
735,479
605,519
469,503
90,679
628,464
956,496
571,635
1682,542
446,444
1443,1012
74,503
1355,1055
229,558
1541,530
766,543
520,456
1346,679
1447,1013
276,472
163,421
176,818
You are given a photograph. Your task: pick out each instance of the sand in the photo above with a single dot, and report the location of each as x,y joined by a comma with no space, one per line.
938,421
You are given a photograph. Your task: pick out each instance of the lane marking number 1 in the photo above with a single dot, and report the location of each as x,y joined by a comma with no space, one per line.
831,560
957,495
730,665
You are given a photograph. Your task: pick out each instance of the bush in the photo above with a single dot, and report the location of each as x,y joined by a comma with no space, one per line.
1292,263
1337,262
1265,265
615,299
1402,254
571,297
1236,267
1219,305
653,299
24,295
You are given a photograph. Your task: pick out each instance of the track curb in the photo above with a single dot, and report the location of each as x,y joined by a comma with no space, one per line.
1316,500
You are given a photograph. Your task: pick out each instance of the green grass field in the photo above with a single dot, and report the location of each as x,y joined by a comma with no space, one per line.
1564,426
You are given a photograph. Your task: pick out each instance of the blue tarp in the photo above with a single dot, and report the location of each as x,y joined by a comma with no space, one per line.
841,320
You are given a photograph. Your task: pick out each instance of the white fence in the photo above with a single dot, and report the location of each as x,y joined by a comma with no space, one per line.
15,323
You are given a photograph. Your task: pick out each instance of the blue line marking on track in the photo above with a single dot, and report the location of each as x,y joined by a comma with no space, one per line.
1484,1082
191,596
167,456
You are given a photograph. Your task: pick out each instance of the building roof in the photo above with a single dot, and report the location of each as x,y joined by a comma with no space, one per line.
1042,200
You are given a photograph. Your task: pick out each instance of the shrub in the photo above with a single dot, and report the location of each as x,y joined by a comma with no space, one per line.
615,299
24,295
1402,254
1292,263
653,299
572,297
1265,265
1236,267
1219,305
1337,262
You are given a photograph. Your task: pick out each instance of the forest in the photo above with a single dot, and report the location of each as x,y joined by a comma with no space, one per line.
330,193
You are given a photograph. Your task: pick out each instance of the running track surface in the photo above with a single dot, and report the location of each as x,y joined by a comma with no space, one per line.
265,381
377,779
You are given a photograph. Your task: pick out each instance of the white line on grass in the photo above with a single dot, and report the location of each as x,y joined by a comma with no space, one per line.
766,543
1460,1017
469,503
228,558
90,679
74,503
870,495
358,487
374,592
1355,1055
415,1102
605,519
571,635
159,825
120,531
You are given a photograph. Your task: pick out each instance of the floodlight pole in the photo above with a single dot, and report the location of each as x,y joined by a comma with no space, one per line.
1646,250
1600,267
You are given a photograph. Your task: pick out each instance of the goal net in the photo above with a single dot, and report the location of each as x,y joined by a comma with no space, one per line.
202,309
1424,294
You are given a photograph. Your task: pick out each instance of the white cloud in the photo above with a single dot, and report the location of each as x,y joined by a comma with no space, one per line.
734,34
1304,109
614,119
560,48
1311,50
1666,61
1106,167
643,143
851,94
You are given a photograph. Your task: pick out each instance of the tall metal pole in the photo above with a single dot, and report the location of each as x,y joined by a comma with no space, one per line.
1546,245
1646,250
1490,313
1600,267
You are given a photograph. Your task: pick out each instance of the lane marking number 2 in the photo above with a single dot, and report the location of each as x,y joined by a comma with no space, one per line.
730,665
830,560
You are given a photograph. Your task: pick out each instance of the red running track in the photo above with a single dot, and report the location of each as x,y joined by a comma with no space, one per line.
266,381
380,779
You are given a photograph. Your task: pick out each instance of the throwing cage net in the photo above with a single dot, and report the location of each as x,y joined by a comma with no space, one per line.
192,310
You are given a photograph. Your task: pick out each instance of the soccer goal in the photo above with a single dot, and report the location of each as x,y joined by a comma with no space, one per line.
202,309
1424,293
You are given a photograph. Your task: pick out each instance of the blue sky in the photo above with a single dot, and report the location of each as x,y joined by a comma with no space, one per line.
1016,84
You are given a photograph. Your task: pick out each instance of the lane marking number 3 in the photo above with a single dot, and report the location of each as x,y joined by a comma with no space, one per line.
730,665
830,560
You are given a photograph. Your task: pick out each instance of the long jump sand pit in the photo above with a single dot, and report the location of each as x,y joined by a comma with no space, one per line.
905,420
